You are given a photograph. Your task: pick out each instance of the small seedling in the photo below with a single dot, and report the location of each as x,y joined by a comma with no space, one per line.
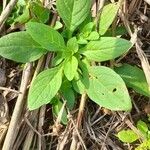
75,49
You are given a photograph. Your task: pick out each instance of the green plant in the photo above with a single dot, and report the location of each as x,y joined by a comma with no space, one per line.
75,49
129,136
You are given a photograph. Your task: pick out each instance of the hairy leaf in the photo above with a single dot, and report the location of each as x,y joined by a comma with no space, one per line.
46,36
20,47
73,12
45,87
108,89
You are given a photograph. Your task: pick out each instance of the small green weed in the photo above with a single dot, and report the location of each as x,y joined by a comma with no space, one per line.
75,47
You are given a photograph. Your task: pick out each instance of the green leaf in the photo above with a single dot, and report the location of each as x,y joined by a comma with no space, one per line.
24,17
134,78
81,80
40,13
127,136
21,3
142,126
70,67
58,25
144,146
20,47
107,89
58,59
93,36
73,12
108,15
44,87
68,94
72,45
46,36
106,49
87,29
56,108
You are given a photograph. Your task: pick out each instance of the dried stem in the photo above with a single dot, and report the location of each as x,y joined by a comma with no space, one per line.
79,121
18,108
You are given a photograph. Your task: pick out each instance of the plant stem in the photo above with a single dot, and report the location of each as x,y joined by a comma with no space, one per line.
81,110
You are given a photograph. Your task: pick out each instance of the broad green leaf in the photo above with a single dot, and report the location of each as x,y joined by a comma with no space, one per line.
40,13
56,108
46,36
134,78
108,15
20,47
73,12
107,89
70,67
106,48
127,136
144,146
72,45
68,93
44,87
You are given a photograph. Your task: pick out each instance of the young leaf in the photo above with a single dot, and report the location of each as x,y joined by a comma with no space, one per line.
24,17
142,126
134,78
44,88
107,89
41,13
106,49
72,45
127,136
46,36
70,67
87,29
93,36
81,80
108,14
56,108
73,12
20,47
144,146
58,59
58,25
